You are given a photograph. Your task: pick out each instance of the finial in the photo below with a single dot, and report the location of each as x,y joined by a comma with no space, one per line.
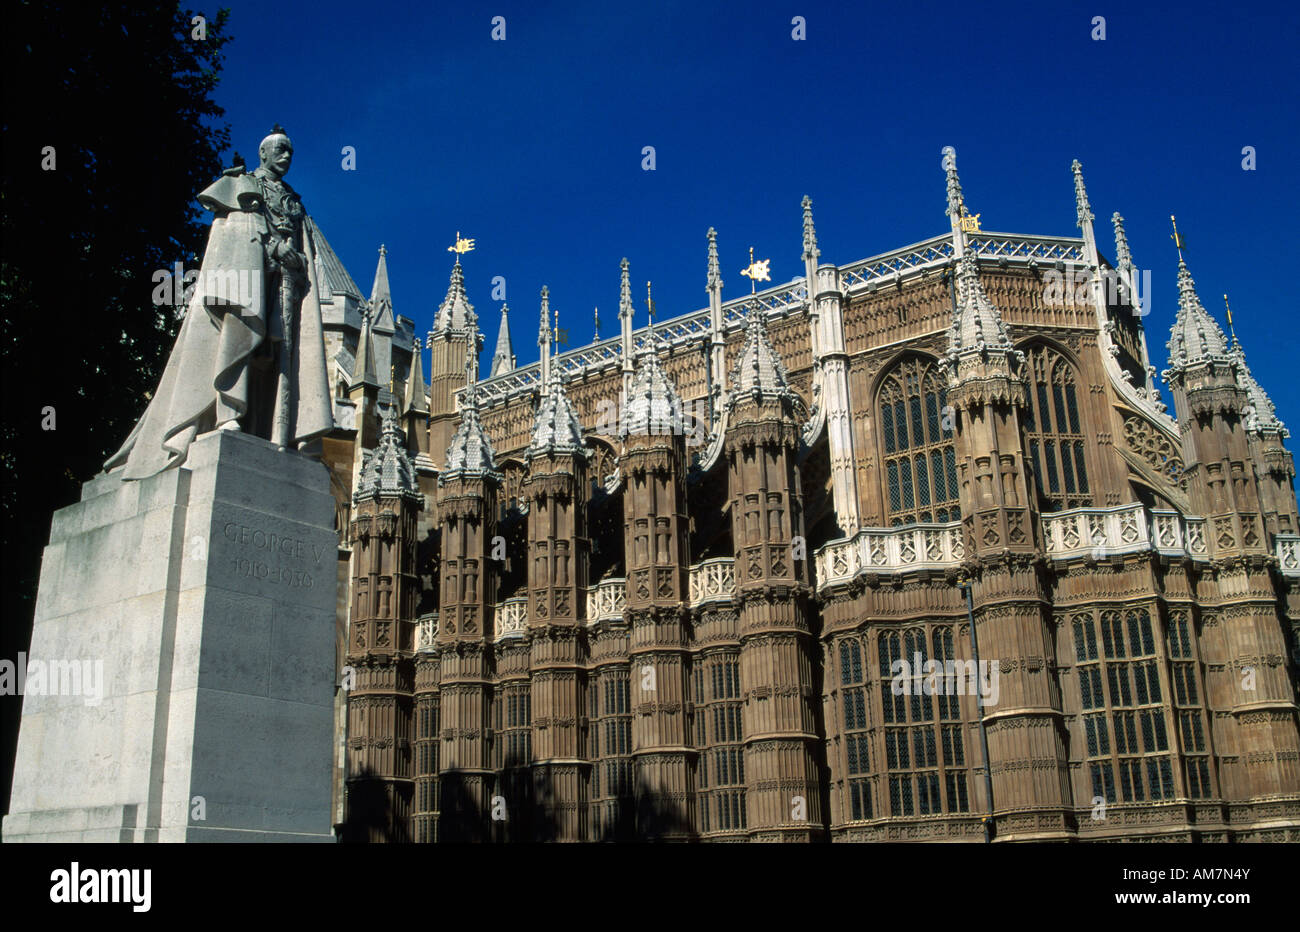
382,250
1232,330
625,292
810,250
956,204
556,348
1123,258
650,303
544,333
715,274
595,333
1081,206
1179,243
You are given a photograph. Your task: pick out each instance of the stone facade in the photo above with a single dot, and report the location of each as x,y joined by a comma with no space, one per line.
682,621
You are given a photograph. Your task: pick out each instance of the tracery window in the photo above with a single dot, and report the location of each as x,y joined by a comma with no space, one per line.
720,774
513,713
857,740
1189,713
1119,651
917,440
610,710
1054,426
426,768
925,761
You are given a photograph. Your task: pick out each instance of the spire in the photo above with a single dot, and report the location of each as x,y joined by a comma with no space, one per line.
956,202
758,371
415,400
556,429
1195,336
1123,257
381,297
455,312
1261,413
810,250
544,326
714,282
363,373
544,337
976,326
387,470
470,454
653,406
625,292
1082,208
503,360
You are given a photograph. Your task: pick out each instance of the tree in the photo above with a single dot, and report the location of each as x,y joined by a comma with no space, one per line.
110,130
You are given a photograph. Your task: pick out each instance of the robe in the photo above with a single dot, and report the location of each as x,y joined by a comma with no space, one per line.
206,381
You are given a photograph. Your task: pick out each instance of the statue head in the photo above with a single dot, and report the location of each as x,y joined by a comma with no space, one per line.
276,152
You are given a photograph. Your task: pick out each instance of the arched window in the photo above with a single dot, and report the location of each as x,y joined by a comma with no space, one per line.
1055,428
920,461
925,765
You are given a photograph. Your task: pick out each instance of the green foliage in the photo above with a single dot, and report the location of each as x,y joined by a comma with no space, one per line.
124,95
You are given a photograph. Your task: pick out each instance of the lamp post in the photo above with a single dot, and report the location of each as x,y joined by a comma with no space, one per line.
964,584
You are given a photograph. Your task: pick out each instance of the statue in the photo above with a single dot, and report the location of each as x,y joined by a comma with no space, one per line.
250,354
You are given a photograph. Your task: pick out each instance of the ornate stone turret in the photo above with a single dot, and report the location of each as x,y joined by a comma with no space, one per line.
830,376
455,332
381,632
503,360
656,555
558,551
777,645
1274,465
1244,648
1211,405
717,340
986,395
468,486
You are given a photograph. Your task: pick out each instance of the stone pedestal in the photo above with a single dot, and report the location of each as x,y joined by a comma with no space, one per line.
208,594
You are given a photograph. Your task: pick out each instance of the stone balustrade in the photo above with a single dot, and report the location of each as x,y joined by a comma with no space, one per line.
606,600
512,618
890,550
1288,554
426,632
712,580
1096,532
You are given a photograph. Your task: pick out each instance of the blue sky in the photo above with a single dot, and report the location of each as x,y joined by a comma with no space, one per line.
533,145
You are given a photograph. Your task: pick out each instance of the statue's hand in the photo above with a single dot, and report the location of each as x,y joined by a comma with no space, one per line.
288,256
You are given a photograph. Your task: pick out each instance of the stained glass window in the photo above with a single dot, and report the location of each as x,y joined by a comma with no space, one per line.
917,431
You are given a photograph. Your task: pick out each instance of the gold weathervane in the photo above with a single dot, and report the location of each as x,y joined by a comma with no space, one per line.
756,271
970,223
462,246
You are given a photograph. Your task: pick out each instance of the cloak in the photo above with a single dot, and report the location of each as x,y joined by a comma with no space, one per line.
206,381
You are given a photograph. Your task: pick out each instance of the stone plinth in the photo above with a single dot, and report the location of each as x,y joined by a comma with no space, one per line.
208,593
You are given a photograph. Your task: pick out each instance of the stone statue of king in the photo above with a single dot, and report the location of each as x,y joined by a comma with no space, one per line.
250,354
